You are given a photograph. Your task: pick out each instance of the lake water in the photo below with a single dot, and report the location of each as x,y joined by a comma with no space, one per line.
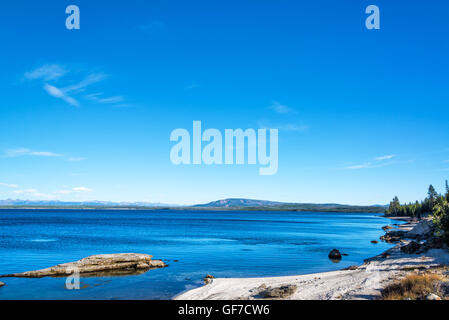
224,244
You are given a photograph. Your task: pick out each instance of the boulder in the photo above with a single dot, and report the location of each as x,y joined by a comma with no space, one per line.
1,284
435,242
208,279
443,288
124,263
432,296
279,292
393,236
410,248
351,268
335,255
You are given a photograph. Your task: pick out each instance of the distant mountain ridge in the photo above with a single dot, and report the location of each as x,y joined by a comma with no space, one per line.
224,204
236,202
93,203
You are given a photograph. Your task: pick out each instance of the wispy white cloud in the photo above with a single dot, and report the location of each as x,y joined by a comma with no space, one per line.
359,166
280,108
34,193
108,100
387,157
82,189
8,185
378,163
74,190
47,72
11,153
82,85
59,93
21,152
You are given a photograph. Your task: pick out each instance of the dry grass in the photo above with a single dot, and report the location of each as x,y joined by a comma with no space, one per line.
414,286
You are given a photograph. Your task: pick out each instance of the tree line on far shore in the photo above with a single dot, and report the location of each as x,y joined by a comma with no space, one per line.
435,205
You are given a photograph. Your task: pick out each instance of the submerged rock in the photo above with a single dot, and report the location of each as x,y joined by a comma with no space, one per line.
374,242
120,263
335,255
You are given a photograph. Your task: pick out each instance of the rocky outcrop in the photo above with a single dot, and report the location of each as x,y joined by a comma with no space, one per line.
124,263
393,236
279,292
411,247
423,230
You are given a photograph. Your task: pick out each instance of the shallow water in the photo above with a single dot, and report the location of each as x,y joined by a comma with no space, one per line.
225,244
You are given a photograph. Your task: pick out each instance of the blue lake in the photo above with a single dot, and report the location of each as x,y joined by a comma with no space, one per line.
224,244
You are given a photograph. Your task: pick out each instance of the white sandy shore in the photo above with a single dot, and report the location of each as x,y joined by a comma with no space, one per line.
364,283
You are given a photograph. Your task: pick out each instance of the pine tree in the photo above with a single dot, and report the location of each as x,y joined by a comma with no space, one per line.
395,207
432,195
447,191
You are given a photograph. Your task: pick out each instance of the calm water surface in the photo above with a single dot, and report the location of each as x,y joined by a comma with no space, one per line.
225,244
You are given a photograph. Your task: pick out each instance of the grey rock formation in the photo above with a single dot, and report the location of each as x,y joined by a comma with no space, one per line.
280,292
125,263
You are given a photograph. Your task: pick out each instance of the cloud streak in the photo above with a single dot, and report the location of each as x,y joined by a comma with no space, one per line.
8,185
46,72
11,153
50,73
58,93
378,163
280,108
74,190
387,157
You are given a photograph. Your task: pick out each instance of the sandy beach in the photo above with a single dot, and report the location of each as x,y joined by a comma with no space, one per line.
361,283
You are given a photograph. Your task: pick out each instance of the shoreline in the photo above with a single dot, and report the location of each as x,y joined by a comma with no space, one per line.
364,282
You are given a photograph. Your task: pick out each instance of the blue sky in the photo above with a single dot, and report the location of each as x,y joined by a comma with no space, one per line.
87,114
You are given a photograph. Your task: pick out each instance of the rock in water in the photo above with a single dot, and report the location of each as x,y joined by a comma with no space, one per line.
335,255
1,284
127,263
